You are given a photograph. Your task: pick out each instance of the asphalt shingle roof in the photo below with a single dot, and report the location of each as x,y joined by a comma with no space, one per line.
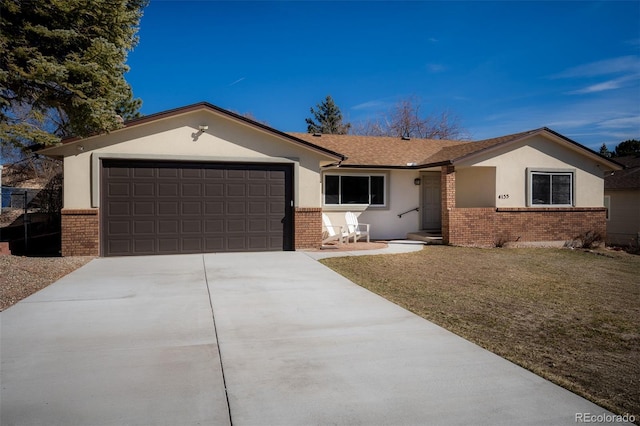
629,178
378,151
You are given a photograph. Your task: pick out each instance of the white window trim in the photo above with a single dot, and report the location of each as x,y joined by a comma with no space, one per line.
385,176
532,171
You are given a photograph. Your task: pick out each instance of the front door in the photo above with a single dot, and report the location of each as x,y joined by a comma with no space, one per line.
431,201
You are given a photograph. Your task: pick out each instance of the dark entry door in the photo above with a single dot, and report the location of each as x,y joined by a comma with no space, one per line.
431,201
154,207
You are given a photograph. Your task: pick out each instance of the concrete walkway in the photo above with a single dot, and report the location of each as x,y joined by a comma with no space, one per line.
393,247
154,341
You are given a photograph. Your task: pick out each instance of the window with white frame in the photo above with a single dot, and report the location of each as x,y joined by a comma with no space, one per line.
349,189
551,188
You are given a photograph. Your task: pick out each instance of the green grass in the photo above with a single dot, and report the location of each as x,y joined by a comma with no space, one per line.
570,316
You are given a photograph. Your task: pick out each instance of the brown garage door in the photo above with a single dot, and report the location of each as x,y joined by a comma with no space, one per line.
168,207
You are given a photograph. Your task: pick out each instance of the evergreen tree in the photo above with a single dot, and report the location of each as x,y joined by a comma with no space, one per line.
604,151
62,66
628,147
328,119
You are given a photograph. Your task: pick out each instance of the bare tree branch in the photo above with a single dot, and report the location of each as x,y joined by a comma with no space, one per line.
406,120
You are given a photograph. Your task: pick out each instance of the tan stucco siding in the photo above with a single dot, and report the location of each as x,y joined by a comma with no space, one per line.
623,226
538,152
177,138
476,187
402,195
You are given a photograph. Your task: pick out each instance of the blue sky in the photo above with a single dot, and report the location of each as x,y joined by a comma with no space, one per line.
501,67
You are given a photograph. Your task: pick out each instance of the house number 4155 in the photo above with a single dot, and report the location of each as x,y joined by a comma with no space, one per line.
503,196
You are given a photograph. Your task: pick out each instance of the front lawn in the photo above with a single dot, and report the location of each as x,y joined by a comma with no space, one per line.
570,316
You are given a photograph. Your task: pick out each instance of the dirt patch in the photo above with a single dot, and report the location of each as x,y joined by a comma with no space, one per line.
20,276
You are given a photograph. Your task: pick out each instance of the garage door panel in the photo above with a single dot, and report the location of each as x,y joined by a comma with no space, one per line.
214,226
119,246
118,172
115,189
236,208
192,245
169,245
167,173
236,190
143,227
273,241
257,208
117,227
276,208
144,246
167,189
144,172
144,189
192,190
214,190
191,208
195,173
236,243
170,207
257,175
212,244
274,225
213,208
258,242
191,226
119,208
167,227
258,225
257,189
276,190
144,208
236,225
236,174
214,173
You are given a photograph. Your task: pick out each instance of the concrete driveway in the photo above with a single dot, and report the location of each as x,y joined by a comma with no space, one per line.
249,339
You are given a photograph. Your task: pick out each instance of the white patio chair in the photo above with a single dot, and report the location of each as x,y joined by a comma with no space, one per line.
356,230
332,233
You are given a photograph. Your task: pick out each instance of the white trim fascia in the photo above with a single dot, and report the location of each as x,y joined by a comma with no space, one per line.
578,149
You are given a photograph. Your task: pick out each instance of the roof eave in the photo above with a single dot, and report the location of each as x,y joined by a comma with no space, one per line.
596,156
195,107
394,167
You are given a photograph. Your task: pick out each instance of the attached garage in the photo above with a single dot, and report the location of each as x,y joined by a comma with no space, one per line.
162,207
195,179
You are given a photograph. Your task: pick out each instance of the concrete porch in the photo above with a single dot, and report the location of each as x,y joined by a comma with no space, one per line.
427,236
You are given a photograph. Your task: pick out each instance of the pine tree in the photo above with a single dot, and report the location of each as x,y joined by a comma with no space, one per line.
604,151
62,66
628,147
328,119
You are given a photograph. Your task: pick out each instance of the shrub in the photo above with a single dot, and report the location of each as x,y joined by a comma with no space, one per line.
589,239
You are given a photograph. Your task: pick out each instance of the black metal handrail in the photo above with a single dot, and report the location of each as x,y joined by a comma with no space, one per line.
416,209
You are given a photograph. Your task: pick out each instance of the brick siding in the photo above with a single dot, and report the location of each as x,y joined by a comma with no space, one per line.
308,227
487,226
484,227
4,249
80,232
448,199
